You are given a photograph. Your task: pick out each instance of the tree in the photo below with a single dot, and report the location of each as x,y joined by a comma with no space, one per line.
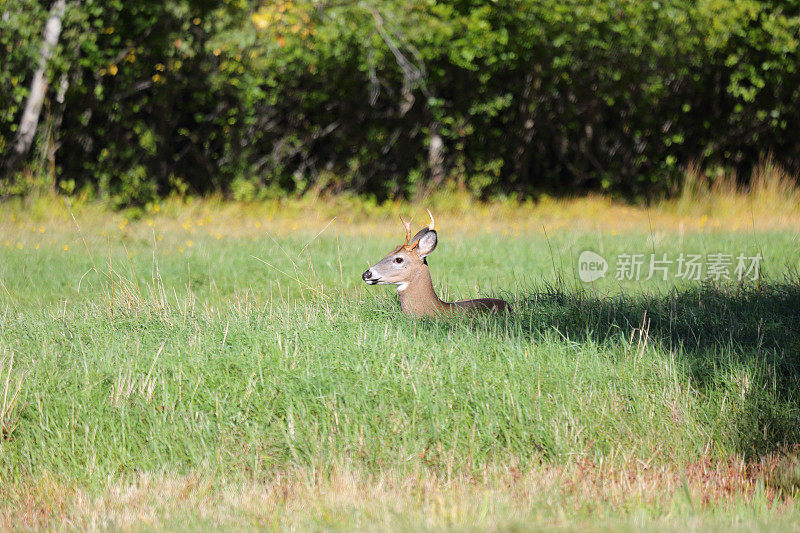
30,116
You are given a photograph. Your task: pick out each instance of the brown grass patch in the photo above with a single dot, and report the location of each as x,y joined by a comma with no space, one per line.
771,201
579,493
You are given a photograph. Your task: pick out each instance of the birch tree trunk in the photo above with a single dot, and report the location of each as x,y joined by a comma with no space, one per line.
436,157
33,107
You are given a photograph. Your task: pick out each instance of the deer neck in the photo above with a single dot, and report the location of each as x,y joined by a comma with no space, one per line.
417,297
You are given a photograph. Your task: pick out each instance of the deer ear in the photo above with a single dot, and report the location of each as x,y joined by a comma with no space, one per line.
427,244
418,235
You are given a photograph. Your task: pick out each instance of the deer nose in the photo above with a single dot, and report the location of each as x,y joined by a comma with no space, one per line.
366,275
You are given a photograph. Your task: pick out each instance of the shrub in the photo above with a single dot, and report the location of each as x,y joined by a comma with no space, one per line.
522,96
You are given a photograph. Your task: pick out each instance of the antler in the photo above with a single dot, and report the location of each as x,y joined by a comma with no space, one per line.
407,225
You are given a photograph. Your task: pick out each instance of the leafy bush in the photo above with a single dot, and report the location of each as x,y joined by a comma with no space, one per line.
524,96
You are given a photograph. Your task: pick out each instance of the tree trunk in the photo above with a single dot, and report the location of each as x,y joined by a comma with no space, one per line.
33,107
436,157
58,117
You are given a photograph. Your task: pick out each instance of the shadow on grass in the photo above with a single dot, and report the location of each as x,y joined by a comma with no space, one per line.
715,330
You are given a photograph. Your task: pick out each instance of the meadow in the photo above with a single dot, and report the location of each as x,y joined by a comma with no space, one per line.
207,365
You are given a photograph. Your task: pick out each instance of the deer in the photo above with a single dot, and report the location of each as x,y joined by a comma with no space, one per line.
407,267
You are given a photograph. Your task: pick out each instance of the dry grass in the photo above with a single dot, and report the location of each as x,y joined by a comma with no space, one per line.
771,202
494,498
9,396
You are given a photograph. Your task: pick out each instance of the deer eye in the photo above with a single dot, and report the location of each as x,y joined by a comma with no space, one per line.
398,260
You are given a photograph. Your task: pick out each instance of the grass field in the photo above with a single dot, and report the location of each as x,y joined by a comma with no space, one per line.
213,365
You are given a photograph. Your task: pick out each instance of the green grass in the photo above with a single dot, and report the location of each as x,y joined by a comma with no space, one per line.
221,373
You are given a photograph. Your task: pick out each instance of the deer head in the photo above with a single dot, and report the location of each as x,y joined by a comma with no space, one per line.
406,262
406,267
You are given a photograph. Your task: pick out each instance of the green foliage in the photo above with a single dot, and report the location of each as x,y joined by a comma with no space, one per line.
528,96
20,35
